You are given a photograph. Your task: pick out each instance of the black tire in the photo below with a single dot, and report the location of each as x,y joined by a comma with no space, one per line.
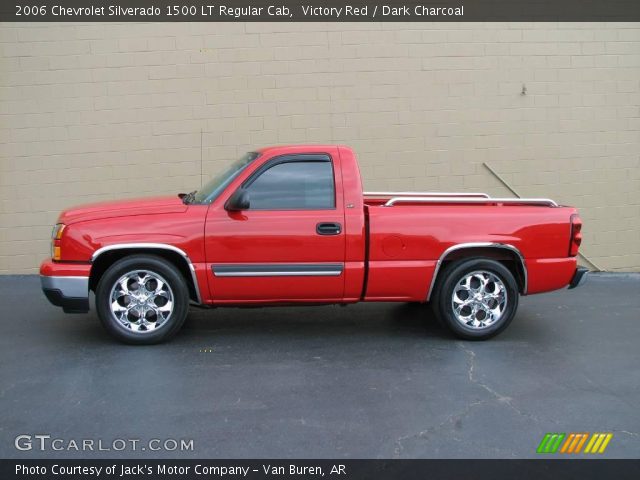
164,270
448,280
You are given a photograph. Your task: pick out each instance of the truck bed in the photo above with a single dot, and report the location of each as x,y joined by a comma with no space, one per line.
411,231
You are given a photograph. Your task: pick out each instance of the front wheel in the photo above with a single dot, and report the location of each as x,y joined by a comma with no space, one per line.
476,299
142,299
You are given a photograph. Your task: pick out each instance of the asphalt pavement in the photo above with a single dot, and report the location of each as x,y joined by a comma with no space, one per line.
364,381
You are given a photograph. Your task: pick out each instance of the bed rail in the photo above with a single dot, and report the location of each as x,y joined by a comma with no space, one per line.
466,199
424,194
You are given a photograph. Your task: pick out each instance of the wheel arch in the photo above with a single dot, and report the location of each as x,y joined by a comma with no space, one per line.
504,253
104,257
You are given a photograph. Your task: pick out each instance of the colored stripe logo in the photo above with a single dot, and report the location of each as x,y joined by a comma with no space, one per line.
574,443
598,443
550,443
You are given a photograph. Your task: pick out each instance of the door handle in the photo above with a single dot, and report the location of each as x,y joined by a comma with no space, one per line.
328,228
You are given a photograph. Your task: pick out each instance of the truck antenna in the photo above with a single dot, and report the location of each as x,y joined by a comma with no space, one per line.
201,174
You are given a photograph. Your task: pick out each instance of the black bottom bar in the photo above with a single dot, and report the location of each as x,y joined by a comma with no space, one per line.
330,469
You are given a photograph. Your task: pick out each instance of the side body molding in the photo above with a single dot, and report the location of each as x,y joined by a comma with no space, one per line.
279,270
153,246
462,246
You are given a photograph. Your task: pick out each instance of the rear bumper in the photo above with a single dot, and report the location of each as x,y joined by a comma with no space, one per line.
66,286
549,274
579,277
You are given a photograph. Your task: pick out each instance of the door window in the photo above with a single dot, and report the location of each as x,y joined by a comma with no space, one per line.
298,185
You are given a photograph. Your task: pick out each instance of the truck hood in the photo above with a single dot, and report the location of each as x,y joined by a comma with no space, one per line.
122,208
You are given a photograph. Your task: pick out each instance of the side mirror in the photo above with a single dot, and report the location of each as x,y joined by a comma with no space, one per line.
238,201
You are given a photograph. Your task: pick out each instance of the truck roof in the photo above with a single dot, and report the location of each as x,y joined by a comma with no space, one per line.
305,148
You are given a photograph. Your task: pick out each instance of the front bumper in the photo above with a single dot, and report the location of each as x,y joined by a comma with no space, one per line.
579,277
66,286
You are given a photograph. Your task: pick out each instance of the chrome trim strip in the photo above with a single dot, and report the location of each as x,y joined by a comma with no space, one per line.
70,287
161,246
120,246
278,270
527,201
280,274
426,194
462,246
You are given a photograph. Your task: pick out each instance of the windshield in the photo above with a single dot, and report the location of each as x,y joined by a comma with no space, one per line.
214,187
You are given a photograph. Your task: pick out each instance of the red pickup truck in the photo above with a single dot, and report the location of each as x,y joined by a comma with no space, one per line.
291,225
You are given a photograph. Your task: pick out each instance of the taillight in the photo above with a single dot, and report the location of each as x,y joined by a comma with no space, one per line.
576,235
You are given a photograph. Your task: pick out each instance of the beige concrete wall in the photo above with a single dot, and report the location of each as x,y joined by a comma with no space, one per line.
101,111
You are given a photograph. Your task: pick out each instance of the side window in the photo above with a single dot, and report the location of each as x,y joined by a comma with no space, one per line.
294,186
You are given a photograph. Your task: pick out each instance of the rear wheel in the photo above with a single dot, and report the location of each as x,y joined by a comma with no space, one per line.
476,298
142,299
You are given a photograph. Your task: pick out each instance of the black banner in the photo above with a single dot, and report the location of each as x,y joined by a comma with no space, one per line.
315,469
319,11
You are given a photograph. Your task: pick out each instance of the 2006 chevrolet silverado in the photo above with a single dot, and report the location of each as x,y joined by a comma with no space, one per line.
291,225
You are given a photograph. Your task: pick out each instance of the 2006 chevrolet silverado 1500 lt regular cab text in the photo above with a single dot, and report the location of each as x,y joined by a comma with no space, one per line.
291,225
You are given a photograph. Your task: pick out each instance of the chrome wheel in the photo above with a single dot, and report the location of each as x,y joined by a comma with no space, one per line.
141,301
479,299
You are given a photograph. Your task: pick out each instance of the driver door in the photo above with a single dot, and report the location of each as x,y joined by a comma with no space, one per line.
289,245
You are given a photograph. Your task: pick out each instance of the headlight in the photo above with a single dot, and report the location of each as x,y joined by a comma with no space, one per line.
56,235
